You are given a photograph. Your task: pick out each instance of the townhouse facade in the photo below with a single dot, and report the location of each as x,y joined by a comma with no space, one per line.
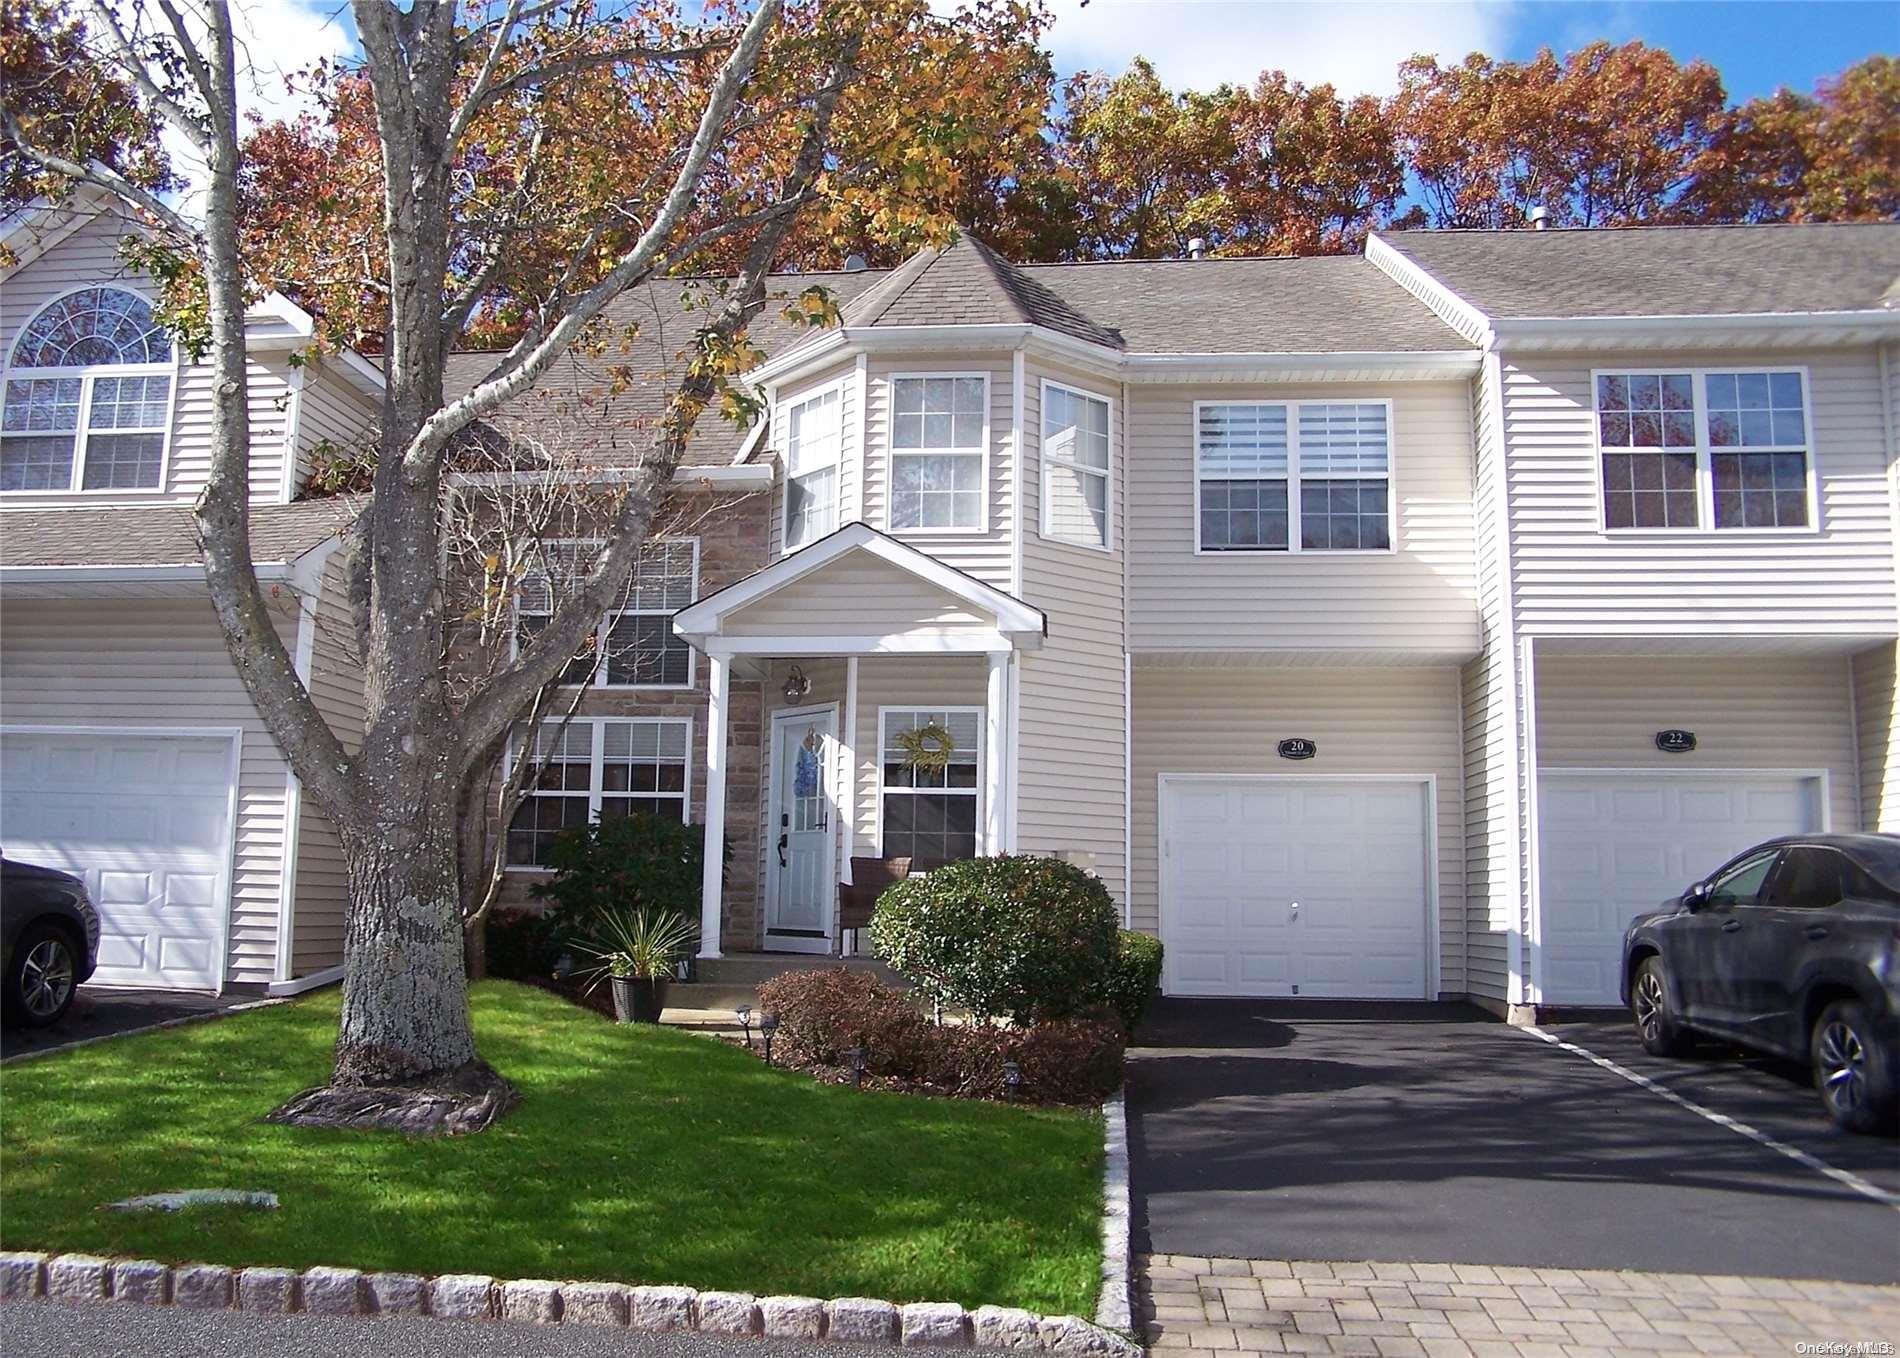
1390,626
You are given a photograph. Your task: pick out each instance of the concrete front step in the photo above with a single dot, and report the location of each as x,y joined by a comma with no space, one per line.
727,982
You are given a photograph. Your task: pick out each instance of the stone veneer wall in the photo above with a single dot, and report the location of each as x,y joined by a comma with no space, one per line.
734,538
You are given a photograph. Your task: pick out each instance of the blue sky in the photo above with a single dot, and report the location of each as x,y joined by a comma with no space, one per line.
1357,44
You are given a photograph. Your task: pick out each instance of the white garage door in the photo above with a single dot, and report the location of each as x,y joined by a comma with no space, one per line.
146,821
1294,887
1616,845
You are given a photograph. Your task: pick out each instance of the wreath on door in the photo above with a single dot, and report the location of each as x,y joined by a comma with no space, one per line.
927,748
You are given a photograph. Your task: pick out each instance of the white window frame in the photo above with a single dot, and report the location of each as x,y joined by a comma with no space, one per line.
884,713
595,777
1705,451
781,422
604,628
892,452
87,377
1044,530
1293,479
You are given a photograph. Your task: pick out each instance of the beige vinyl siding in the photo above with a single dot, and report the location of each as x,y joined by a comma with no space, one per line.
336,686
1572,577
850,445
1765,712
153,663
1421,597
1877,726
329,411
88,257
1492,777
1071,756
855,595
1402,722
985,554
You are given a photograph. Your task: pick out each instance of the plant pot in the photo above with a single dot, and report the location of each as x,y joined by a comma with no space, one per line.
639,999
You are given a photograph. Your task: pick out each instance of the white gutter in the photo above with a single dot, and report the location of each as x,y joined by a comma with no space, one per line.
1423,363
154,574
1873,325
718,476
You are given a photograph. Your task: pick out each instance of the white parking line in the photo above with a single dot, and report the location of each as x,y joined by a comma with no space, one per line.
1755,1134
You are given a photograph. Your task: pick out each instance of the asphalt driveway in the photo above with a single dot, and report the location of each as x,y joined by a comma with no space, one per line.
105,1013
1430,1133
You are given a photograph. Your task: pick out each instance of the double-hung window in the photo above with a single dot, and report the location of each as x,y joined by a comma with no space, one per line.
635,645
1256,462
814,429
598,768
1704,449
929,814
938,437
88,396
1075,466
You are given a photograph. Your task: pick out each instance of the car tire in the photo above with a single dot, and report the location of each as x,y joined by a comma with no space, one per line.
1853,1073
41,977
1653,1006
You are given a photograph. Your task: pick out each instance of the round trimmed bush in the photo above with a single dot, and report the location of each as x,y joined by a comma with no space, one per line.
1016,937
1135,978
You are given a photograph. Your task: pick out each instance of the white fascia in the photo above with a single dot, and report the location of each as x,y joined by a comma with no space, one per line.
887,339
1288,367
1740,329
127,575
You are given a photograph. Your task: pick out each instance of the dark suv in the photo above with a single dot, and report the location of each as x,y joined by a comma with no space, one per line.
1792,948
49,941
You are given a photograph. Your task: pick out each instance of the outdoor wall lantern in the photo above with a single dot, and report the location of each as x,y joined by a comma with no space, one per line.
797,684
768,1026
744,1012
855,1055
1012,1080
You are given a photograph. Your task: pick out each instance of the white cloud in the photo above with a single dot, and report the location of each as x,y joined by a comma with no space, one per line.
1198,44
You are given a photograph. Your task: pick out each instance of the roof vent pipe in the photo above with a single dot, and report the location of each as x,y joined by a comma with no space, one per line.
1540,217
854,263
1196,247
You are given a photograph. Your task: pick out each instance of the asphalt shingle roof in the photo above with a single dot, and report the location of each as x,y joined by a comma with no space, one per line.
162,535
967,283
1664,270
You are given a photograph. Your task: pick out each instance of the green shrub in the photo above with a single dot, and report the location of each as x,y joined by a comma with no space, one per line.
1134,978
627,863
522,945
1017,937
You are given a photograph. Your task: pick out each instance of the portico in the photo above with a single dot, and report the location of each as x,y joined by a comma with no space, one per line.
884,639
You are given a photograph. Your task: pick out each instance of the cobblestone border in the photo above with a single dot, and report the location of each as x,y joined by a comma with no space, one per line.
1114,1310
539,1301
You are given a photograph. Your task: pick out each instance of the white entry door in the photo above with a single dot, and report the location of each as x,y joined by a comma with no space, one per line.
145,821
1615,845
1280,886
801,885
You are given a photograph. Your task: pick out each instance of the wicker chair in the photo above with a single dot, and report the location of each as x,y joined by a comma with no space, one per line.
857,899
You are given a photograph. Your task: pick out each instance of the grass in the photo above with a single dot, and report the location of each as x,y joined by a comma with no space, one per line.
637,1155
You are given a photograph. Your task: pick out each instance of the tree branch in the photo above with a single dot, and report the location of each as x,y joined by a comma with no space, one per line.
134,66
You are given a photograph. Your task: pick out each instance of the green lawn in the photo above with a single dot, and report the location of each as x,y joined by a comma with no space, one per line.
637,1155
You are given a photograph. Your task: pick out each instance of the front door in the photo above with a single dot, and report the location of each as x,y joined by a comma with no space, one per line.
800,862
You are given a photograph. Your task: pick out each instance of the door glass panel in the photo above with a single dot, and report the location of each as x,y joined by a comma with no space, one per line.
1742,884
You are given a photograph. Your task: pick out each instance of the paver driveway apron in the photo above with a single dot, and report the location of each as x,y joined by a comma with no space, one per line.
1277,1131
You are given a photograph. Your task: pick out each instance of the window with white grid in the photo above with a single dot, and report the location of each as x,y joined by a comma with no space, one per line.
1263,466
1076,474
88,396
937,451
929,815
635,645
599,768
814,432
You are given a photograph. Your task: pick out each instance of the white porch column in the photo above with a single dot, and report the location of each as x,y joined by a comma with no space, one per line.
713,878
995,758
848,775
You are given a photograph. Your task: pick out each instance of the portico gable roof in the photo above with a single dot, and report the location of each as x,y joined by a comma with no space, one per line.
734,620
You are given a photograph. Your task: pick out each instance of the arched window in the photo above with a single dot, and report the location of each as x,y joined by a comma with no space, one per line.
88,396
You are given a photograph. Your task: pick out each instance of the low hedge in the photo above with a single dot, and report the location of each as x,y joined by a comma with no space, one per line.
822,1014
1134,978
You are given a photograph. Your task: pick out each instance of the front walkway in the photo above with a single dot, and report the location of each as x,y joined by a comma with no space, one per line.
1237,1306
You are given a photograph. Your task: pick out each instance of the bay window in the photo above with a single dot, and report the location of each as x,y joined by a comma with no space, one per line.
938,441
88,396
814,429
1262,465
1704,449
594,769
1075,466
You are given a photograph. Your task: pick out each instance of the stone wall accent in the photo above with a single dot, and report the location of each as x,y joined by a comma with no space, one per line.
540,1301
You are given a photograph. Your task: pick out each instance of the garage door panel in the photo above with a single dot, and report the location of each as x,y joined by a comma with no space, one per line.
1613,846
145,822
1352,855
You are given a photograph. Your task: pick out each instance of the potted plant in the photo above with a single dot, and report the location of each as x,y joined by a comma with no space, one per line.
634,951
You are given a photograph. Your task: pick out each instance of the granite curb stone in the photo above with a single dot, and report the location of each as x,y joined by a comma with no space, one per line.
202,1287
145,1281
269,1291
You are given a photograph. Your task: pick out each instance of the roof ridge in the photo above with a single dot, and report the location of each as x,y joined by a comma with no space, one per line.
884,293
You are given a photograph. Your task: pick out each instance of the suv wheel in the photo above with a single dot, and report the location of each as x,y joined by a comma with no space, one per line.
1655,1013
42,976
1852,1072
